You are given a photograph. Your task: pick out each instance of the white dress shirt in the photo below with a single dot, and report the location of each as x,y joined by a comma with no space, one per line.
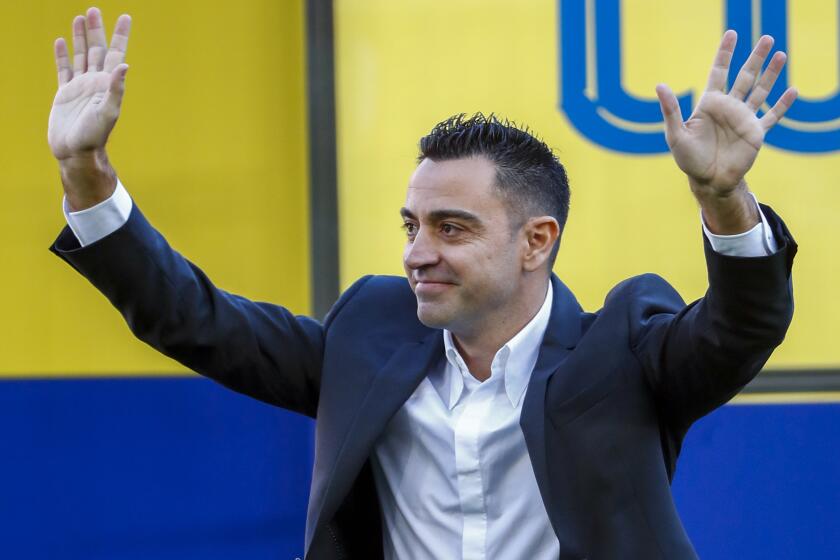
451,468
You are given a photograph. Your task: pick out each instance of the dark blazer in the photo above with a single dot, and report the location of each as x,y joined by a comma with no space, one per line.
604,416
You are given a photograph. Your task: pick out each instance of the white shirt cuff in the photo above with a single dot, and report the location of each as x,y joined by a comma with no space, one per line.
757,242
92,224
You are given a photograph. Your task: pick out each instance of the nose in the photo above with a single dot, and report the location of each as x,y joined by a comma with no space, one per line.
420,252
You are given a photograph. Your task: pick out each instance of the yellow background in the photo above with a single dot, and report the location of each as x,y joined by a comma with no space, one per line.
402,66
211,144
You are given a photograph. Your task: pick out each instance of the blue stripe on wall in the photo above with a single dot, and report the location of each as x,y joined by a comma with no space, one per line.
170,468
762,481
149,468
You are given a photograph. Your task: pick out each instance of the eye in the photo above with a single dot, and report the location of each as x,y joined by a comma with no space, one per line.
410,229
449,229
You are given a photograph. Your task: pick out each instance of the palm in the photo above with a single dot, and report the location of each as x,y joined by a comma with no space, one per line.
77,122
87,104
721,141
718,144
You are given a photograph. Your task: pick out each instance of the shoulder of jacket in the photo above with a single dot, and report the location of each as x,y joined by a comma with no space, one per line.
384,288
378,299
638,286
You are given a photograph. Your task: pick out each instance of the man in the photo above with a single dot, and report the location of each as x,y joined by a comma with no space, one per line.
473,411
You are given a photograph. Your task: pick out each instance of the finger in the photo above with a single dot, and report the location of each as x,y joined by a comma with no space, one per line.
116,90
778,111
768,80
720,67
62,61
95,40
752,67
671,112
119,43
79,46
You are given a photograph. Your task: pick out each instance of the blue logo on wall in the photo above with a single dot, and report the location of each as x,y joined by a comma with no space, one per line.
598,106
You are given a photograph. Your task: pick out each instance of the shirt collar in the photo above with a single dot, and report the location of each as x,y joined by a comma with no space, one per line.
513,362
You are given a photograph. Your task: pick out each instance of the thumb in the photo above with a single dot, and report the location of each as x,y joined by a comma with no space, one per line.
671,113
116,89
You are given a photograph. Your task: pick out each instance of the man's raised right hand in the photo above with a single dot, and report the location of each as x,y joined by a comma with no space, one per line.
86,107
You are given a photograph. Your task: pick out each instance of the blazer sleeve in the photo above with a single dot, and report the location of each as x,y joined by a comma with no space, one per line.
699,356
259,349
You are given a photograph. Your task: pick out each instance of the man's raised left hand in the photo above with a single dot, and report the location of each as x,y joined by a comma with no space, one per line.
719,142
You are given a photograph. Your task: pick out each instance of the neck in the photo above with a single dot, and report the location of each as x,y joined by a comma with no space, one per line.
479,345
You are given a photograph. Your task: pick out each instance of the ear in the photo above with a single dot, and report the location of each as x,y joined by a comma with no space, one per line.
540,235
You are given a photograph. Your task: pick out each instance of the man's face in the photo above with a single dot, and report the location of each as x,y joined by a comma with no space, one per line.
461,258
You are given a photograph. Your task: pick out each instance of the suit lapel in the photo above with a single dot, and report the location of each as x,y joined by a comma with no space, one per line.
561,336
391,387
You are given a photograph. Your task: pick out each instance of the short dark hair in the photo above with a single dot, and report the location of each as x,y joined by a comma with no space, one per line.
531,180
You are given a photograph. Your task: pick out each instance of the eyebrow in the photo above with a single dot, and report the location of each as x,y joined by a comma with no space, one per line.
445,214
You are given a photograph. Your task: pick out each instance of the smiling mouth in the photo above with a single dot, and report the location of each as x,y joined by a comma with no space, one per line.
433,283
425,286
